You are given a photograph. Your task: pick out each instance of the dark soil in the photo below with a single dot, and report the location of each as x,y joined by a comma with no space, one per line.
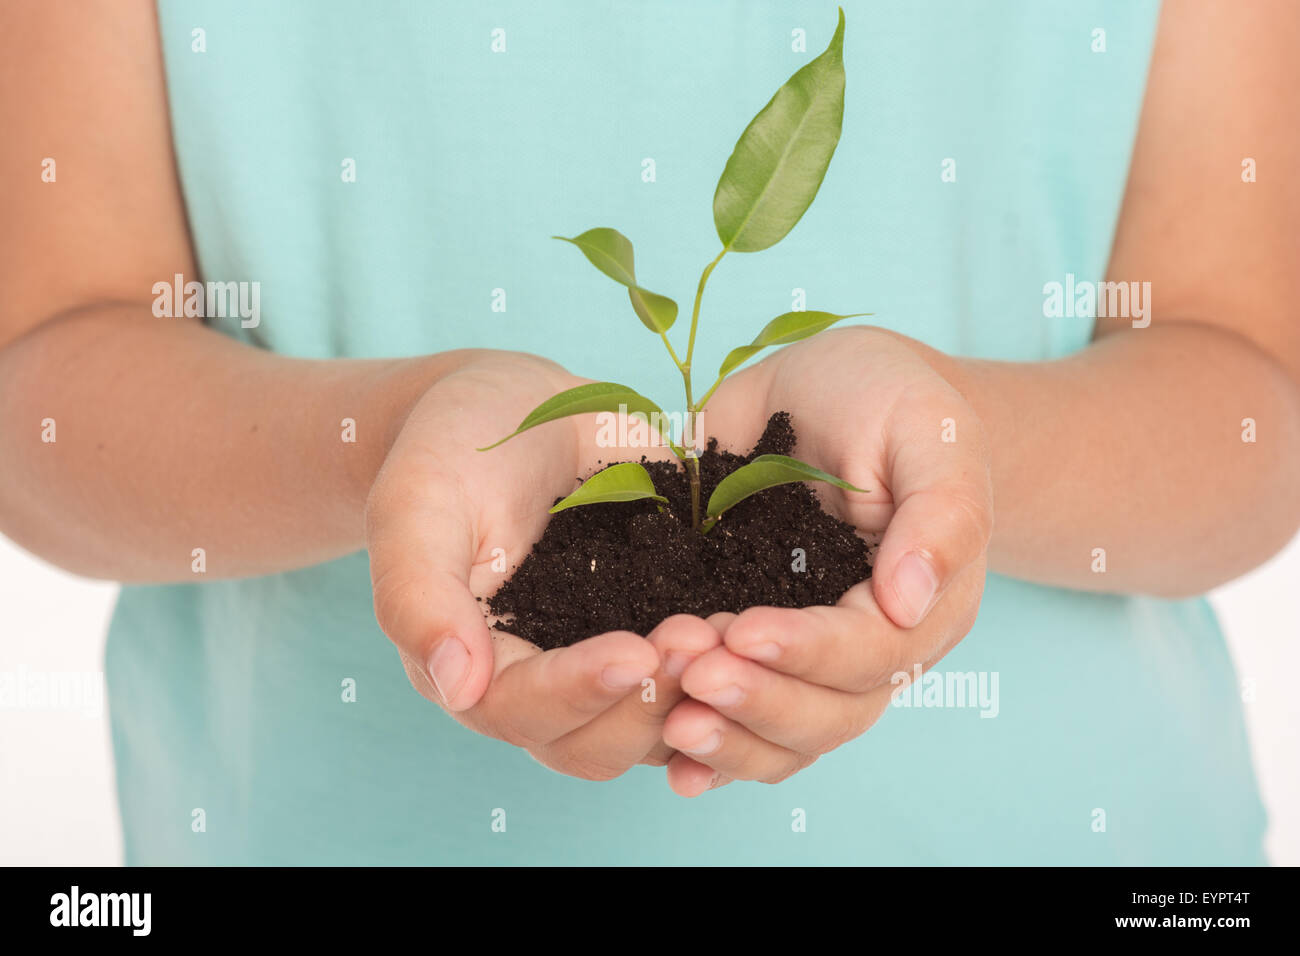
649,566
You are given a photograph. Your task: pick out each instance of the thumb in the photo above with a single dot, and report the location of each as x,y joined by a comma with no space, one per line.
943,508
421,550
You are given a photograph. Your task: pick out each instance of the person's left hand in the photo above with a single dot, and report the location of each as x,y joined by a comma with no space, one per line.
791,684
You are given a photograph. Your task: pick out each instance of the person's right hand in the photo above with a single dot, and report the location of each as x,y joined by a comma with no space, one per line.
436,514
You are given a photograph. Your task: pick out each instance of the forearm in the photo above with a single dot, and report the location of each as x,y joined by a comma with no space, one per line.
1135,446
169,437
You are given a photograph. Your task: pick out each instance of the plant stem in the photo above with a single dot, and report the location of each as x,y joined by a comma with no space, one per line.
672,351
692,461
708,395
695,312
693,473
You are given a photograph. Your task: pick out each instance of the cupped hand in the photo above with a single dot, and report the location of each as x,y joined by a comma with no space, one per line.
440,514
788,685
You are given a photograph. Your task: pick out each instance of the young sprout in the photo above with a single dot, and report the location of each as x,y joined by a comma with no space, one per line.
769,181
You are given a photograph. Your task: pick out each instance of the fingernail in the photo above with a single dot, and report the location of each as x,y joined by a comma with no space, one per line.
763,652
707,745
728,696
676,662
448,667
622,676
915,584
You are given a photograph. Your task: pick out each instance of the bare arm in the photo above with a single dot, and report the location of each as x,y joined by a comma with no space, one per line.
171,437
1136,444
168,435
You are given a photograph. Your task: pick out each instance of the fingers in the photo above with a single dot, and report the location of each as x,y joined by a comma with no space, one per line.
677,648
630,731
539,698
791,684
943,517
704,735
853,647
787,711
421,545
675,665
690,778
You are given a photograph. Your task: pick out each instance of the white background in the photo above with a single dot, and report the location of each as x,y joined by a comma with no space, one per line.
57,804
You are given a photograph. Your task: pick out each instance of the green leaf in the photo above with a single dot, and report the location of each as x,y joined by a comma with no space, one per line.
780,160
656,312
593,397
626,482
784,329
766,471
611,252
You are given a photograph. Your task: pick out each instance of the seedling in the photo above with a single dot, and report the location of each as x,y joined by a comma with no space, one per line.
769,181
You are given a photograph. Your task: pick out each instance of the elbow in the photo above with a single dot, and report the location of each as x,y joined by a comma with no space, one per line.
1265,515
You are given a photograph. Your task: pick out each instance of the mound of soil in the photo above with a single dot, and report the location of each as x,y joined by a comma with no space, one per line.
626,566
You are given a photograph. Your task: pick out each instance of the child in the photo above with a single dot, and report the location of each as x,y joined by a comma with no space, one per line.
380,180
